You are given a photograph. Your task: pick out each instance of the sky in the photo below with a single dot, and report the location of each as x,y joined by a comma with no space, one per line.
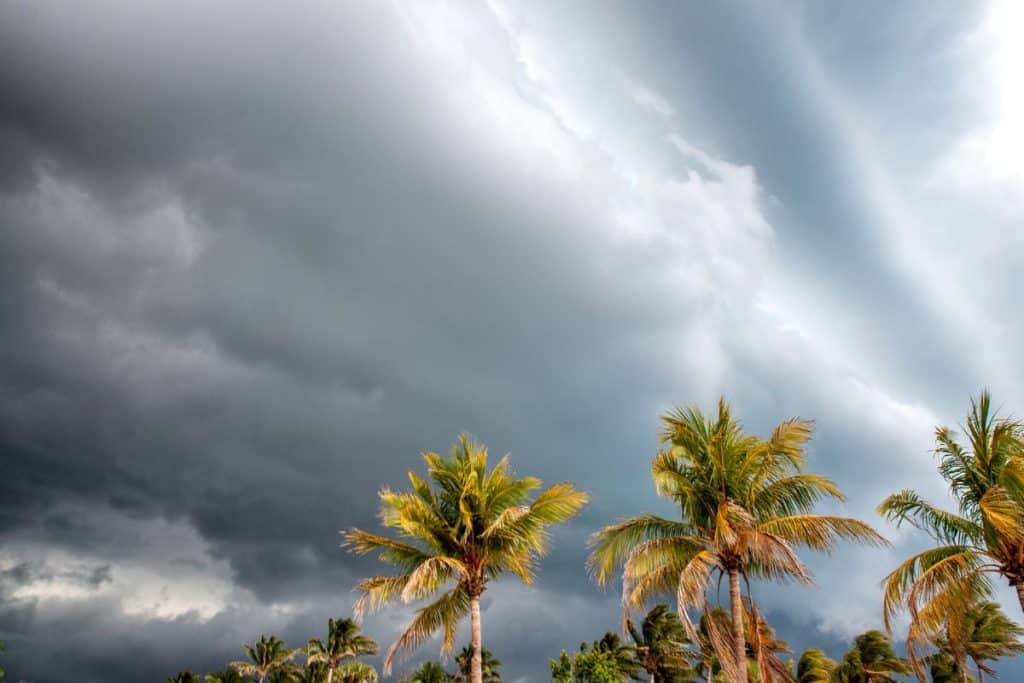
256,257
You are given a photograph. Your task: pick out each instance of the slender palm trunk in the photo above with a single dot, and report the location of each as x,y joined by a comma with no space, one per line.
1020,594
738,644
476,674
330,674
654,679
981,674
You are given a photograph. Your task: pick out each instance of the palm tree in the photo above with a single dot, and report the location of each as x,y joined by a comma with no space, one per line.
982,634
430,672
943,669
229,675
268,656
622,655
814,667
489,666
466,526
985,537
745,507
871,660
344,641
660,646
764,648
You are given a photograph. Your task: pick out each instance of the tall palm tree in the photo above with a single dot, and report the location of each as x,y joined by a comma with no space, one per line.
489,666
430,672
985,537
344,641
814,667
228,675
660,644
745,505
871,660
267,656
466,526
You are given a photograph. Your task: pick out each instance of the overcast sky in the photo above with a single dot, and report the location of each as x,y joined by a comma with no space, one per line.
256,256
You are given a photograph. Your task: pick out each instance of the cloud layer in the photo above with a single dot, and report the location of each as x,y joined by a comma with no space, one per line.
255,259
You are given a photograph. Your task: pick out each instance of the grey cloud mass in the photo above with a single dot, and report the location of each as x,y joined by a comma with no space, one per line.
255,257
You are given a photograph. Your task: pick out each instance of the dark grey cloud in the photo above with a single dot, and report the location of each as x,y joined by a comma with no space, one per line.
255,259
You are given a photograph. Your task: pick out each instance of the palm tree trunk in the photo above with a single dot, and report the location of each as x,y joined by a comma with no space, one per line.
654,679
330,674
981,674
476,663
1020,594
738,644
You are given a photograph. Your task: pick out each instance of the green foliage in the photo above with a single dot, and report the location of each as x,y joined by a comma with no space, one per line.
229,675
871,660
588,666
660,645
814,667
460,528
745,508
344,642
267,657
985,536
430,672
489,665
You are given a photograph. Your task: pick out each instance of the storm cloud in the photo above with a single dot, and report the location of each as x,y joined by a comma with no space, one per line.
256,257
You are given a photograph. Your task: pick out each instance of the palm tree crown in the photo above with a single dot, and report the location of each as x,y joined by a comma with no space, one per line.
660,644
745,507
344,641
430,672
985,537
814,667
464,527
871,660
267,656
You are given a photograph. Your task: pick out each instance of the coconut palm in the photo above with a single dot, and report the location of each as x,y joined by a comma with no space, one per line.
660,644
267,656
430,672
943,669
871,660
982,634
984,538
461,529
623,655
489,666
745,507
814,667
344,641
228,675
